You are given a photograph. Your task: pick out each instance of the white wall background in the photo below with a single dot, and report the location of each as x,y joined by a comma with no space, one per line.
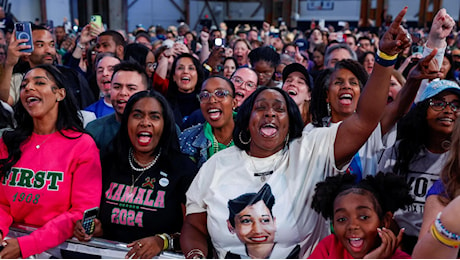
28,10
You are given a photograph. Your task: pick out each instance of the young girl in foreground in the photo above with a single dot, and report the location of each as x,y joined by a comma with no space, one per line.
361,214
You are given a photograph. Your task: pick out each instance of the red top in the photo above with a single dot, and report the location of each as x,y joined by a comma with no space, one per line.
331,248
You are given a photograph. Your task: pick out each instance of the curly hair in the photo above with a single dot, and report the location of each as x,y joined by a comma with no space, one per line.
68,118
245,111
389,192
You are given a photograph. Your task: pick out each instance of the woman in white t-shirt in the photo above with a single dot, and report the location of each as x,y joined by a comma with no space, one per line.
271,148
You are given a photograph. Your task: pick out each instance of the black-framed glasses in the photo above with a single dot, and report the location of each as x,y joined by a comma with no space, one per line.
219,94
439,105
248,84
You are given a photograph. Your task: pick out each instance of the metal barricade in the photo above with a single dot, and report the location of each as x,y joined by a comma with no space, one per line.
96,246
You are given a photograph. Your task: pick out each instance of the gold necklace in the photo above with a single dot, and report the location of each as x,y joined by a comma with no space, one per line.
40,145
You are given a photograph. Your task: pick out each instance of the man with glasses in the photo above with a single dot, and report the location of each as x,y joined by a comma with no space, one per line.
245,81
364,45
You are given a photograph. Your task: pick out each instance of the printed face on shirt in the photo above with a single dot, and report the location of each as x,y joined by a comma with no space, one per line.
268,124
40,95
185,75
124,85
343,94
104,73
441,123
145,125
255,225
356,222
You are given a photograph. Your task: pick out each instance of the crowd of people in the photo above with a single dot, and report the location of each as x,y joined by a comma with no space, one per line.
246,143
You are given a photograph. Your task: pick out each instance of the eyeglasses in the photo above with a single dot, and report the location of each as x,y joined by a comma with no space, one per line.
152,65
264,74
247,84
439,105
219,94
290,53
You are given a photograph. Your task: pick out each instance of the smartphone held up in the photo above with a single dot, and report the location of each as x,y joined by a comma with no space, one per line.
23,31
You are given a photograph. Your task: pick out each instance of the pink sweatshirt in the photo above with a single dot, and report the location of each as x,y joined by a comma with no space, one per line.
50,187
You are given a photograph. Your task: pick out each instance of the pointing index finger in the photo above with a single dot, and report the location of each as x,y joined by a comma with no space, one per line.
398,20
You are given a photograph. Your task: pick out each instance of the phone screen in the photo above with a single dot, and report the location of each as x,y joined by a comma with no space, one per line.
88,220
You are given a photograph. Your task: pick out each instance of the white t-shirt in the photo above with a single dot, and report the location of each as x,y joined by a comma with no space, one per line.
371,151
424,170
230,173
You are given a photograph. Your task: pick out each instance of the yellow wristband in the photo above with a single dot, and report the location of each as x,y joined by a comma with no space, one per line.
386,56
207,67
165,241
443,240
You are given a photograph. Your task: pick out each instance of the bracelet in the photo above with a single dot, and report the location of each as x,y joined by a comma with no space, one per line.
80,46
165,241
443,240
195,254
386,56
441,229
385,62
170,242
207,67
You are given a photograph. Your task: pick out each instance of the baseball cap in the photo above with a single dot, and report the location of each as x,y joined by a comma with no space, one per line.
437,86
302,44
293,67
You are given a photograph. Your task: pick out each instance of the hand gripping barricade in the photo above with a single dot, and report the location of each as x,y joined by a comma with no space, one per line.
96,246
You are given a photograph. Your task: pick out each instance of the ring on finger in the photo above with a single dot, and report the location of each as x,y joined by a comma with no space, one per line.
139,244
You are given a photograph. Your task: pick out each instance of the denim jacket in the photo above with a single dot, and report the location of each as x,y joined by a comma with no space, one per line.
194,143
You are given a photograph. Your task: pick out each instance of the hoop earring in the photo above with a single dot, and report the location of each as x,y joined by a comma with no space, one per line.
241,139
329,111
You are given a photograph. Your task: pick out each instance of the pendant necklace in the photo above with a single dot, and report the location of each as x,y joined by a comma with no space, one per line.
145,167
40,145
263,175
